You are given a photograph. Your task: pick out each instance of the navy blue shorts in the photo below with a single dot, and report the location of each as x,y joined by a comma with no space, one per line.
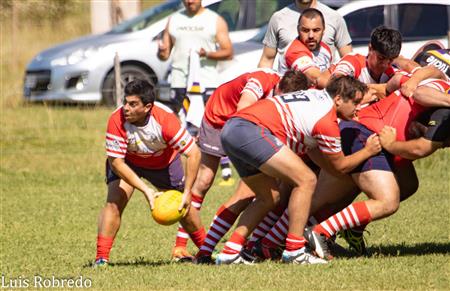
170,178
248,145
354,136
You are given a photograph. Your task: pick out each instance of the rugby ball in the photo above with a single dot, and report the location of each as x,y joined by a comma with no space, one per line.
165,208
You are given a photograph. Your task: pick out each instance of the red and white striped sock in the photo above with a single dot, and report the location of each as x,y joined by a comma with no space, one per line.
221,224
319,216
356,214
234,244
198,237
294,242
278,233
264,226
182,236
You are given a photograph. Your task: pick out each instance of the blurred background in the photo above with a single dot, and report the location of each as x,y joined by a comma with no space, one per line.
55,50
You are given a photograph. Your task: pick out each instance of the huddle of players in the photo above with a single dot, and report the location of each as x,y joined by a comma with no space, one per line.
272,127
271,141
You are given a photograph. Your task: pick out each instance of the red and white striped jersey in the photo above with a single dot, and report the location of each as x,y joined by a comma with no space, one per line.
152,146
298,57
301,120
223,102
355,65
397,110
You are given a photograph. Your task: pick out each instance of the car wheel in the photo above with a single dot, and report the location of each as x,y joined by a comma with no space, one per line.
128,73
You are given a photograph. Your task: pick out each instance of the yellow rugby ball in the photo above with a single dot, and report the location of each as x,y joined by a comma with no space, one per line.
165,208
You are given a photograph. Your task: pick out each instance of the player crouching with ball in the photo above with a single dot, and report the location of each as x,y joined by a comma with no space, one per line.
144,139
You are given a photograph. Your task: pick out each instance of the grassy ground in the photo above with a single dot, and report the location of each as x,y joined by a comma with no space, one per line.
52,189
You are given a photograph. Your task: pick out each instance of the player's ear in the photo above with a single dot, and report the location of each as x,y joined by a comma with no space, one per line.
338,100
148,107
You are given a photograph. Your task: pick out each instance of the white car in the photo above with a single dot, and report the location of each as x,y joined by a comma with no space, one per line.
82,70
419,22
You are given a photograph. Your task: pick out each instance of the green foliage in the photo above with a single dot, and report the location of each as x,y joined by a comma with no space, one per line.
52,190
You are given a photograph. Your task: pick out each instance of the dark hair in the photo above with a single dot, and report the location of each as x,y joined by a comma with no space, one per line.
346,87
141,88
311,13
386,41
293,81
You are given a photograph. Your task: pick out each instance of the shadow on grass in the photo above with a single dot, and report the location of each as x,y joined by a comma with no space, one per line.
403,249
135,263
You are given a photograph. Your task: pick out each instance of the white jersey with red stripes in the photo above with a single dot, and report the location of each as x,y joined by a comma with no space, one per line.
152,146
301,120
355,65
298,57
223,102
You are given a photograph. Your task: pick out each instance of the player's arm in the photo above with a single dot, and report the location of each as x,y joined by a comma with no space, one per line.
405,64
192,165
315,76
430,97
246,100
267,57
345,50
338,163
122,170
225,50
411,149
420,74
165,44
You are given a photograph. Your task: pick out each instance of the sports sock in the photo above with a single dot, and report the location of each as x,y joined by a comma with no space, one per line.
104,245
234,244
278,233
264,226
356,214
319,216
182,236
294,242
198,236
221,224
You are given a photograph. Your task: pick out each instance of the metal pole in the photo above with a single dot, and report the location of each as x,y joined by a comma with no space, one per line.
118,95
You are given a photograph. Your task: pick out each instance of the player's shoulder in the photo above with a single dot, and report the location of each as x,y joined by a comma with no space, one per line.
161,111
285,11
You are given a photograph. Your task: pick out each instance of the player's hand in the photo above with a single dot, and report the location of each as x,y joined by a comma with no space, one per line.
185,201
370,96
202,53
387,136
373,144
407,89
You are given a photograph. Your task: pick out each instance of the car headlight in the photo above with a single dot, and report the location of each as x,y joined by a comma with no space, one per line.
76,56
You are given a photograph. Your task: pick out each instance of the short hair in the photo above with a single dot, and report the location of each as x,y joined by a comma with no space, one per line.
293,81
311,13
386,41
346,87
141,88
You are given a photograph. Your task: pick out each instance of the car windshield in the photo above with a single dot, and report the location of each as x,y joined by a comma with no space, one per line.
147,18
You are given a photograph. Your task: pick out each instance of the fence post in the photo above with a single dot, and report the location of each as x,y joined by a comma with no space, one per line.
118,95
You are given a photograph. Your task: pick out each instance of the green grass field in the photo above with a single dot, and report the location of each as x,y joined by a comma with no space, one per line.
52,189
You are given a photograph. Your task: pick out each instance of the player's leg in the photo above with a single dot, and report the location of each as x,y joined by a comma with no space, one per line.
224,220
119,193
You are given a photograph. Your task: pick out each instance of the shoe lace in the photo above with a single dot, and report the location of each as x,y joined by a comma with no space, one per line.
355,238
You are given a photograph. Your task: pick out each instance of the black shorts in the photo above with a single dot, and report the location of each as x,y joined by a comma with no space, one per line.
437,122
170,178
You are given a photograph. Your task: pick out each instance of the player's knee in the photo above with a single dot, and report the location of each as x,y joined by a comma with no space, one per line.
203,183
113,208
308,180
390,206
